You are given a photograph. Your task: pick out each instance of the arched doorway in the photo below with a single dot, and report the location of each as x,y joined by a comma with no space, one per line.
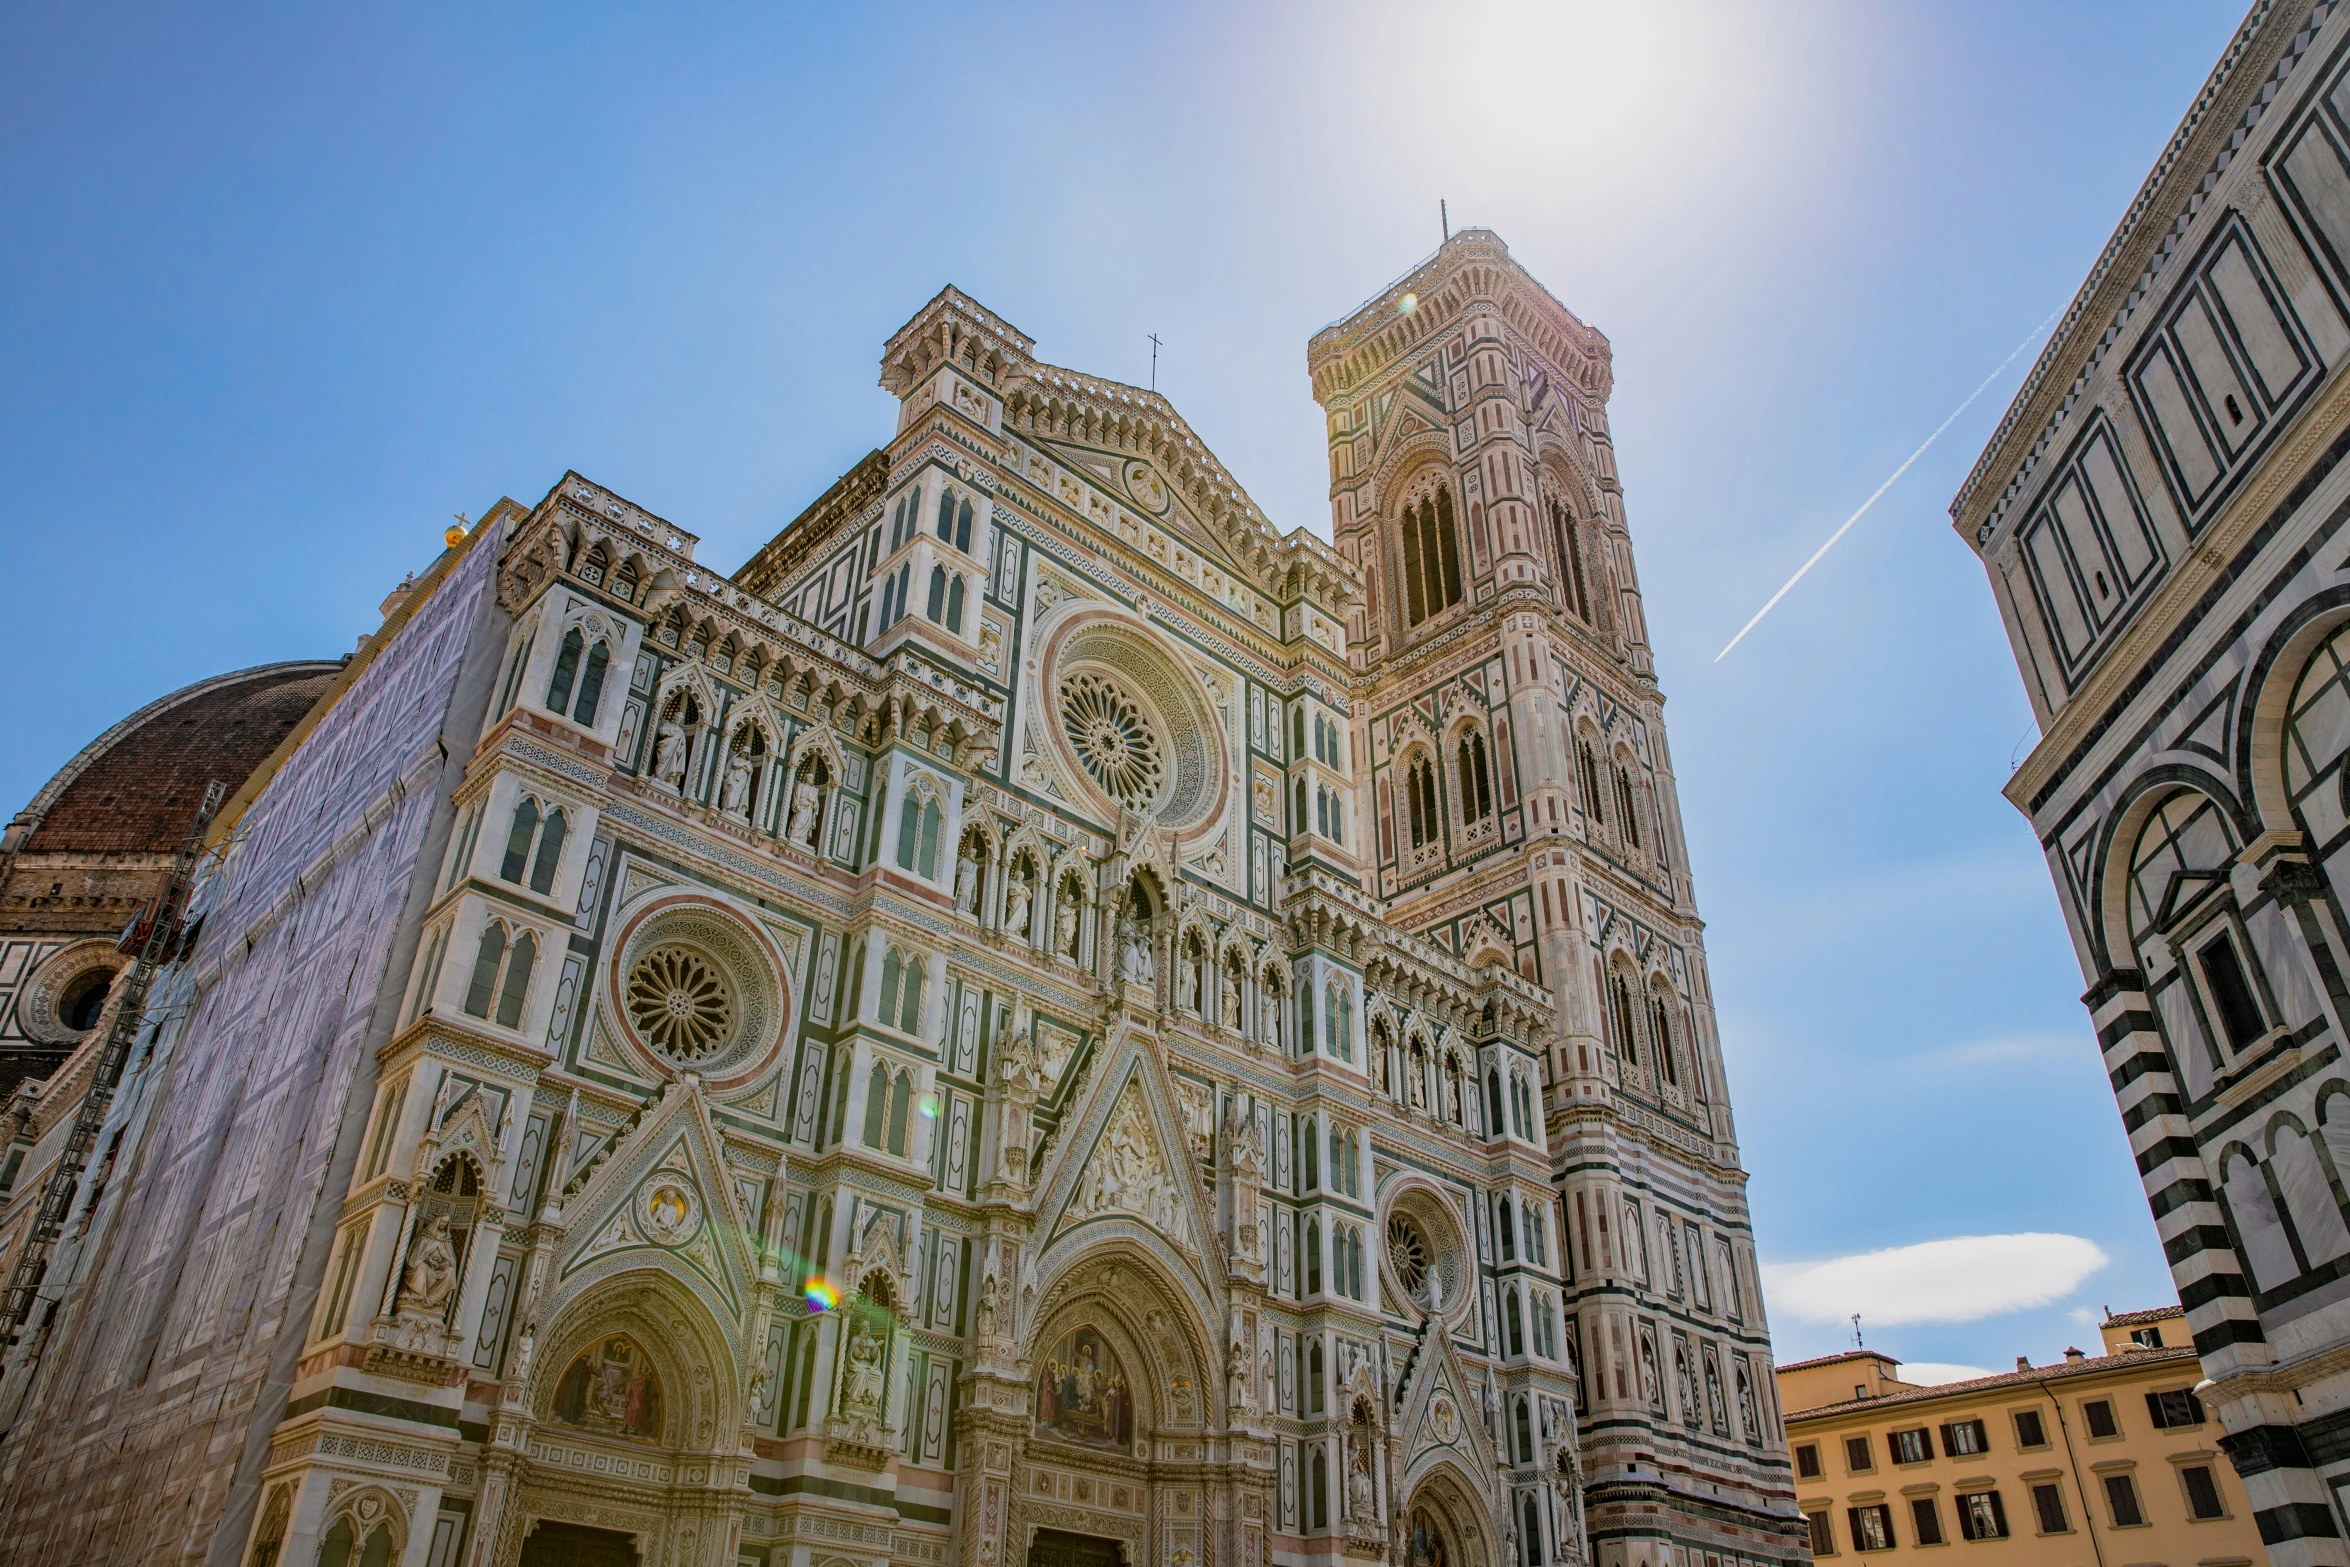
1110,1466
635,1411
578,1545
1444,1523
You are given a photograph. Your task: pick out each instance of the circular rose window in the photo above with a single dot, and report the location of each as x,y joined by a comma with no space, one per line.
681,1002
694,988
1132,726
1114,740
1426,1254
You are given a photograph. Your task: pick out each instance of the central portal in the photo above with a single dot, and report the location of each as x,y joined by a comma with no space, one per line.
576,1545
1057,1548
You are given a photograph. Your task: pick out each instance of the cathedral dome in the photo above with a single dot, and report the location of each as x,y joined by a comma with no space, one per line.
136,787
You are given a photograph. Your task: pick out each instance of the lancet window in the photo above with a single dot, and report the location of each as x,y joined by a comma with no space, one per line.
888,1097
1587,770
945,606
1431,558
1476,780
534,844
1620,1009
1566,535
501,974
954,520
588,674
1627,807
1420,796
1660,1021
902,520
919,823
903,975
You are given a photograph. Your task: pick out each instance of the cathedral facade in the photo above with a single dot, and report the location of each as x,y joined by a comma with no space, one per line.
1040,1021
2161,518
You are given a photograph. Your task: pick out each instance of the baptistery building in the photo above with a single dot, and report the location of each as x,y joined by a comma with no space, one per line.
2161,518
1040,1020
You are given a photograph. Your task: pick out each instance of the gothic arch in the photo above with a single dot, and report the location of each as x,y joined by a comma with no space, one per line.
815,740
1154,1318
2270,682
691,1352
2109,905
1410,454
1564,475
1440,1488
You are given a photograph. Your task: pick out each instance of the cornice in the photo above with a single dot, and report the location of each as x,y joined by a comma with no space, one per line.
1471,267
2203,147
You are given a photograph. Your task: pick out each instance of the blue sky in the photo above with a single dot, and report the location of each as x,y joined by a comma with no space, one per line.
283,288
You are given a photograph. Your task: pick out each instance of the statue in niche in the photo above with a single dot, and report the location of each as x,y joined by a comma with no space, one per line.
1136,962
1188,972
861,1387
804,807
1230,1011
431,1276
1065,924
966,884
987,1307
669,752
1427,1546
1236,1377
1271,1007
1248,1157
734,794
1362,1492
1017,898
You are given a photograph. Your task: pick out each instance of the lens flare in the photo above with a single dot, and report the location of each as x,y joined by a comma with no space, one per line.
1408,304
821,1294
928,1105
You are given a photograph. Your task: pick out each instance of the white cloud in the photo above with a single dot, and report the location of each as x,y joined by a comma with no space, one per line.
1933,1373
2014,1048
1963,1279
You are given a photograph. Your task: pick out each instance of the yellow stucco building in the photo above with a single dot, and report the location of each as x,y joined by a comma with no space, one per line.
2104,1460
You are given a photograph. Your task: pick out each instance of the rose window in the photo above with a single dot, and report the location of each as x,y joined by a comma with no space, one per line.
1113,739
1407,1253
681,1002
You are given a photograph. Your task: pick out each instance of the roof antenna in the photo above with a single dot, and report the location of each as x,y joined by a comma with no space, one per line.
1444,217
1154,361
1856,1343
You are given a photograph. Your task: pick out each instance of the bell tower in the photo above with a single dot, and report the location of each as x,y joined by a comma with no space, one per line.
1514,801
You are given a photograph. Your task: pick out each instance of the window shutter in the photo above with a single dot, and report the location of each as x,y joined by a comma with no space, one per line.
2154,1411
1998,1514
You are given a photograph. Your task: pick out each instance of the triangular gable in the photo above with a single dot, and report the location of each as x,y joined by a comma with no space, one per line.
666,1191
1407,425
1440,1411
1126,1156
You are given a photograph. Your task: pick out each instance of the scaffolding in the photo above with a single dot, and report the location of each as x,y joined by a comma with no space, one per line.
154,939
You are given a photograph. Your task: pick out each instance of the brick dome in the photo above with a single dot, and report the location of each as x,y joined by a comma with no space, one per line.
136,787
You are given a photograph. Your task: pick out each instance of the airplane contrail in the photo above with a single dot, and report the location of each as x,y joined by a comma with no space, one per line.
1888,484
